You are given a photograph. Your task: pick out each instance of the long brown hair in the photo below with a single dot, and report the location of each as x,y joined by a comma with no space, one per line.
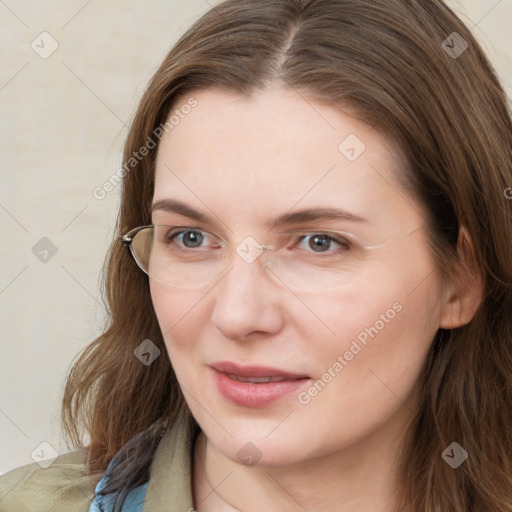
401,68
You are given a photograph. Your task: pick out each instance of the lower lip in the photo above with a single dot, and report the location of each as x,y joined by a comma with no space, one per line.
250,394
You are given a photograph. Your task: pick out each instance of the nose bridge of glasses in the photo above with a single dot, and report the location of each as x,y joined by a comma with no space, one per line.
267,252
250,250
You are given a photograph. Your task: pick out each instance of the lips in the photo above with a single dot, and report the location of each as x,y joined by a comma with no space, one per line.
255,380
255,386
244,373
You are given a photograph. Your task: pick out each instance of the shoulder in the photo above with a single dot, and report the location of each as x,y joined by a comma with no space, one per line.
64,486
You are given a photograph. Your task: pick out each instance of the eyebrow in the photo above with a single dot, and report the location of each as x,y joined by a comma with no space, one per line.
289,218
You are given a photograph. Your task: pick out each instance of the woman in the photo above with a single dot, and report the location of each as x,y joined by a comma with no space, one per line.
317,191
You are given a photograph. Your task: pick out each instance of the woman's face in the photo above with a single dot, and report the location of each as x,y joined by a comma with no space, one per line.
343,329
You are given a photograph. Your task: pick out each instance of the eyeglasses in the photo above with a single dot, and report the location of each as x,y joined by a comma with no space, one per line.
302,260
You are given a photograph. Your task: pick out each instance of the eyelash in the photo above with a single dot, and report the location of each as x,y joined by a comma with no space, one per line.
344,244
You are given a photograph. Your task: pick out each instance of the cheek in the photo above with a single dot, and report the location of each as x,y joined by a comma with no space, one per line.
369,370
386,317
177,313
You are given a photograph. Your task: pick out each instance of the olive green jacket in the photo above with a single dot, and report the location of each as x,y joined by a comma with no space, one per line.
65,487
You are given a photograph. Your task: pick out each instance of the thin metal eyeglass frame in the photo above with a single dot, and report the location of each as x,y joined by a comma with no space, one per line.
127,240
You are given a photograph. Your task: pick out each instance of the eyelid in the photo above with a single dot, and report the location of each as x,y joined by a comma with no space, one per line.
175,231
318,231
334,232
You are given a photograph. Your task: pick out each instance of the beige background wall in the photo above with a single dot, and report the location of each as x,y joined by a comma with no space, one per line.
62,124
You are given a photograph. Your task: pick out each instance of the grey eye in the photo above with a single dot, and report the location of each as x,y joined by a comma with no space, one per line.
190,238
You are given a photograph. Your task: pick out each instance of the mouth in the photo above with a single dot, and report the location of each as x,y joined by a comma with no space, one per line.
255,386
255,380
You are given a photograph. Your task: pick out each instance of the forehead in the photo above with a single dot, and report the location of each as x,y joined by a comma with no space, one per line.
268,152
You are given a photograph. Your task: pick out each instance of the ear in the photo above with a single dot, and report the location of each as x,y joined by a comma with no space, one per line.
465,293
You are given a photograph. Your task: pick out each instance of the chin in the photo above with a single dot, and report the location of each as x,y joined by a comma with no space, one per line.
254,447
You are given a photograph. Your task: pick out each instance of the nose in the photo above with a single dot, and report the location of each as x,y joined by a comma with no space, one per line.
247,301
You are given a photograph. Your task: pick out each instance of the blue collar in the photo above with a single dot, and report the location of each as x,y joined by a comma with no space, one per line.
134,501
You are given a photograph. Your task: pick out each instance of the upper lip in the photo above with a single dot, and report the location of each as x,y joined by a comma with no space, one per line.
255,371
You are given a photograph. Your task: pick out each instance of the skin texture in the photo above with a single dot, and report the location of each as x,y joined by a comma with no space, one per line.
244,162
